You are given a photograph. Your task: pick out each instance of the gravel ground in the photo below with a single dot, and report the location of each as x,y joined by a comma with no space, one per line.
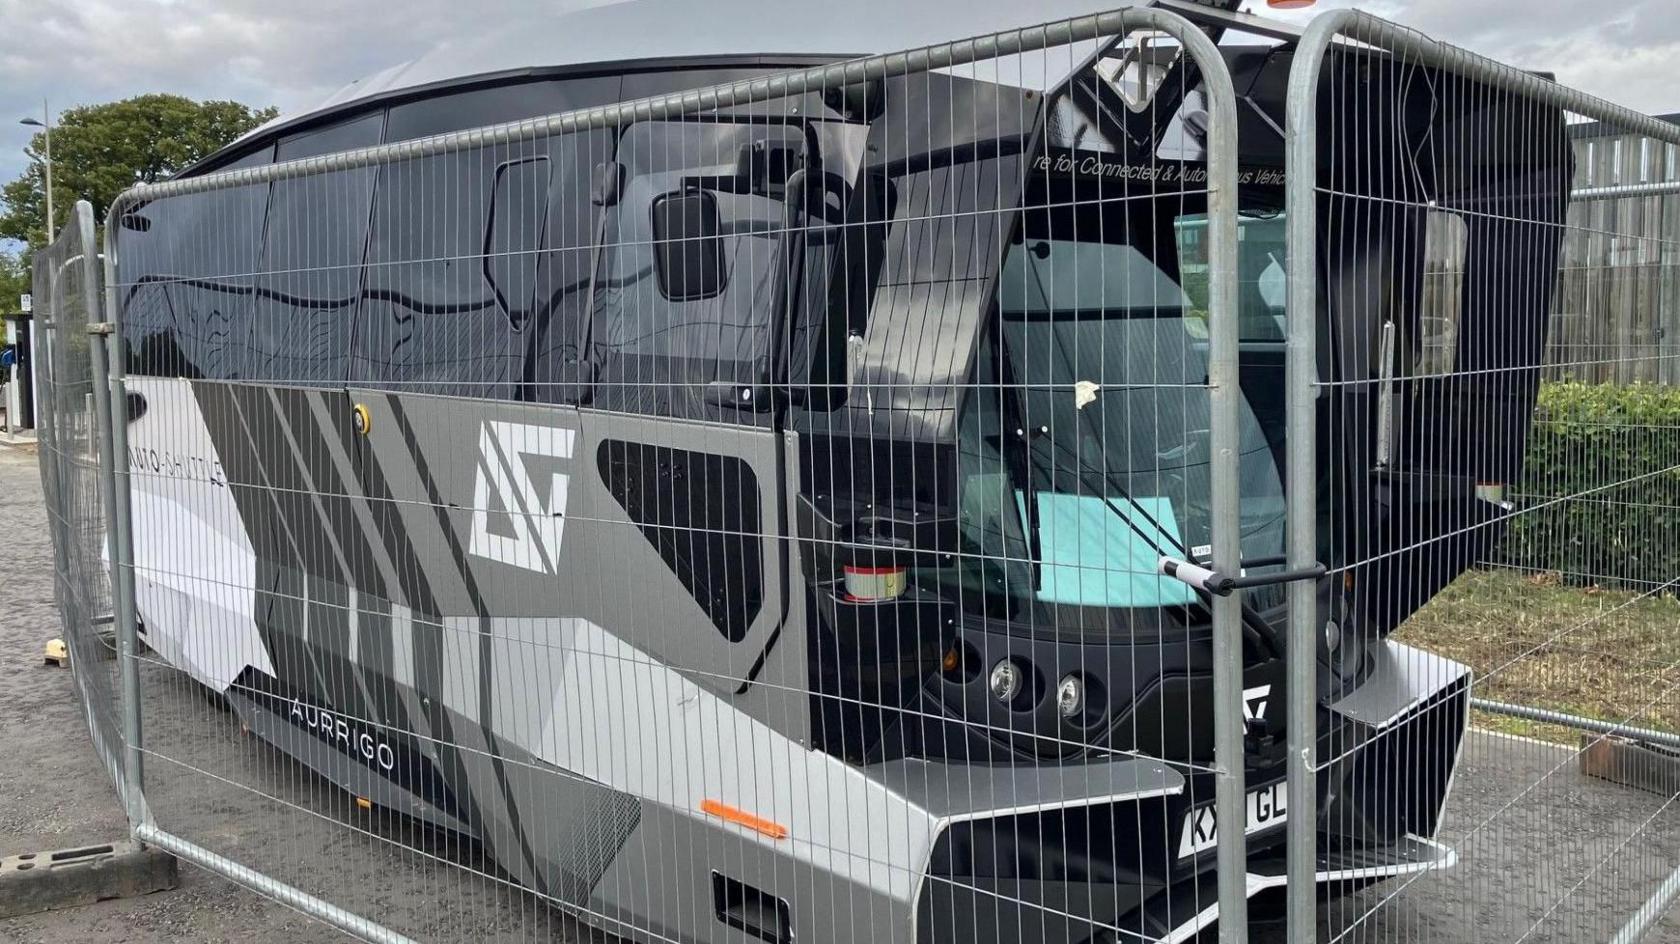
54,793
1546,854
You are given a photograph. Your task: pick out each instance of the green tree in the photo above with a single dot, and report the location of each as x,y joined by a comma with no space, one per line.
101,150
14,279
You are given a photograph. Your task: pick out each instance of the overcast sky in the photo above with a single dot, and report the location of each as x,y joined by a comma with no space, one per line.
293,53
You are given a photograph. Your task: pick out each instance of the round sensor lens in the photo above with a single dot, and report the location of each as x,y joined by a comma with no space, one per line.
1006,681
1070,696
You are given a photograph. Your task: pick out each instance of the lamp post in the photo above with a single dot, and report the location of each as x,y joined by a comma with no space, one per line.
45,124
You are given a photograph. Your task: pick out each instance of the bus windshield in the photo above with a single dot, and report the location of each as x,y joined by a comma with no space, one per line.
1099,359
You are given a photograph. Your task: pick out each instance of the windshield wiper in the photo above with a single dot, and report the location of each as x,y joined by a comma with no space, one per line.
1255,626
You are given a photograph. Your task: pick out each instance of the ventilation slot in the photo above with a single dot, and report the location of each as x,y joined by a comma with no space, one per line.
748,909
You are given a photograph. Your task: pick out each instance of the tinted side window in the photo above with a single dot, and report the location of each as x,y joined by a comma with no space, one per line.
671,356
838,237
488,106
583,180
462,299
518,213
700,512
188,264
432,322
307,288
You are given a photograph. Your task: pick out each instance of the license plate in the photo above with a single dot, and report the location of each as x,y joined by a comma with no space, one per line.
1267,807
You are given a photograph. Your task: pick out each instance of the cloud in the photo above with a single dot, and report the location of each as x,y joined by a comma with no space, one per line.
82,51
297,52
291,54
1620,51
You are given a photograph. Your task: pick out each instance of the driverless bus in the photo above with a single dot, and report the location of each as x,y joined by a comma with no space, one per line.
745,524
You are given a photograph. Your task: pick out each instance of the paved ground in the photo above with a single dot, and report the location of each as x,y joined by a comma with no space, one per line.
1547,855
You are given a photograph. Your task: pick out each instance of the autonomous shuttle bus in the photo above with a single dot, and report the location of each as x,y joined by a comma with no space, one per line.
745,525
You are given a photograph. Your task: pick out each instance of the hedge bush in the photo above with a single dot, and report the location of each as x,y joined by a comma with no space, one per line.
1599,501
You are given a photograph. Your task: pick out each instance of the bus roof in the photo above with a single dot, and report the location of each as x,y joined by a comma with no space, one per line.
625,31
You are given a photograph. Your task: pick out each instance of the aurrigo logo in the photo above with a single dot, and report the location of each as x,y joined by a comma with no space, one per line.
519,497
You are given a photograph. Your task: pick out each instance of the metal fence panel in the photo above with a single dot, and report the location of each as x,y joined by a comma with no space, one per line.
807,508
880,501
69,299
1484,452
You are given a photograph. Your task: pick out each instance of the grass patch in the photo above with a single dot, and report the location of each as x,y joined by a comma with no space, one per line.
1534,640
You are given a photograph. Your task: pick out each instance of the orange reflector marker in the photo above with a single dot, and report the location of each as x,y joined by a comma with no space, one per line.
730,814
364,803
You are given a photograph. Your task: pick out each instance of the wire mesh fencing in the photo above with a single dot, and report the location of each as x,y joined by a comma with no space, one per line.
70,299
783,510
1009,490
1495,482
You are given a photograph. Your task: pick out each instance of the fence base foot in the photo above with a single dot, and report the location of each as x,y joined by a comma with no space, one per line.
1631,763
46,881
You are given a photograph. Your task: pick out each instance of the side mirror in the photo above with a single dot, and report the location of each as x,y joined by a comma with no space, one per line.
687,250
